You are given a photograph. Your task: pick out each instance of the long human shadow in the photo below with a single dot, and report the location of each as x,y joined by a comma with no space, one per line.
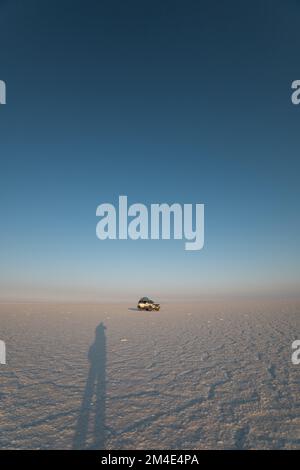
93,401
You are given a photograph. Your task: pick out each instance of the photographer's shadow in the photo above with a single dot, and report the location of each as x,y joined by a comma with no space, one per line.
93,402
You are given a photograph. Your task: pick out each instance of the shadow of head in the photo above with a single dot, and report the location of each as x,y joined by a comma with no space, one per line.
100,331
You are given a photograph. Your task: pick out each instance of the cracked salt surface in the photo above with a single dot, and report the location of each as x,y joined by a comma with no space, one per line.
193,376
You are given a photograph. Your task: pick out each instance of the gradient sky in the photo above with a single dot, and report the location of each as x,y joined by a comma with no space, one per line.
163,101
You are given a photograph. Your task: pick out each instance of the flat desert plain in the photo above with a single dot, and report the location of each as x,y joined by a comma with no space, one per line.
202,375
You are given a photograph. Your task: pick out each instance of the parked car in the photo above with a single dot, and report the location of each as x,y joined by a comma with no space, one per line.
147,304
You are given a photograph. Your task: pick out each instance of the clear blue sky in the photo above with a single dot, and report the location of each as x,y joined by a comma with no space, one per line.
165,101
